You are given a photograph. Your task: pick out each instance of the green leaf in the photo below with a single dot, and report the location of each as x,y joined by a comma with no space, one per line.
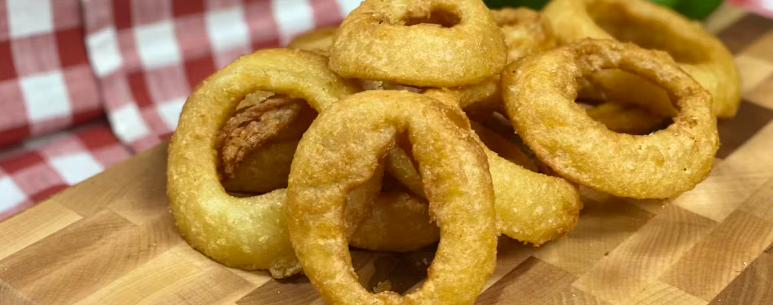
694,9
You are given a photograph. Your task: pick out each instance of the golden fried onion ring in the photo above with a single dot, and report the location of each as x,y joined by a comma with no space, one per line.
247,233
531,207
317,41
650,26
524,32
340,151
539,95
381,40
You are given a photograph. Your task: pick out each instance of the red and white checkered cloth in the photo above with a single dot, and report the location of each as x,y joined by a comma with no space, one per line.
44,166
149,54
762,7
146,56
46,83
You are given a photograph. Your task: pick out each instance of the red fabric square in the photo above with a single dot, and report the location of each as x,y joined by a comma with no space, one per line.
182,8
50,124
67,14
45,194
264,31
139,89
100,15
97,137
7,67
13,135
196,70
192,38
116,91
166,84
222,4
145,12
35,54
85,101
131,58
326,12
4,34
111,155
122,14
36,178
71,47
22,161
14,112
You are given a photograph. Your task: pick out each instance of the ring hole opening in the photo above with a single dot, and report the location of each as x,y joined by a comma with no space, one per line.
438,17
266,167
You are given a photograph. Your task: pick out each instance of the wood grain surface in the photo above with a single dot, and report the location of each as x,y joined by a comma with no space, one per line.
111,240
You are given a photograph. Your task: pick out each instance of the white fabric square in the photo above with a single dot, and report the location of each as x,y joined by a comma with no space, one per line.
346,6
11,194
128,123
103,51
76,167
29,17
767,4
293,17
157,44
227,29
45,96
170,112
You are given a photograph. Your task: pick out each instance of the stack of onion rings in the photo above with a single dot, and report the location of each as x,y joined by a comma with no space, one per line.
250,233
390,103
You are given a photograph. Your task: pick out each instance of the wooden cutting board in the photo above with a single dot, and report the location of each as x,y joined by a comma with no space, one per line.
111,240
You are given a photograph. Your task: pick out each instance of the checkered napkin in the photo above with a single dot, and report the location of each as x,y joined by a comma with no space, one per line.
41,167
146,56
46,83
149,54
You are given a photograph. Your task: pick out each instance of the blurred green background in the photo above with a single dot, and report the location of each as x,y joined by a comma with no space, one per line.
694,9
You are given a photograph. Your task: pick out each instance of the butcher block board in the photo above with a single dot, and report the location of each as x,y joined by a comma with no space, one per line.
111,239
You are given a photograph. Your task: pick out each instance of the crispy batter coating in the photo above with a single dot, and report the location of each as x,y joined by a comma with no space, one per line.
650,26
317,41
430,43
531,207
247,233
524,32
540,93
341,150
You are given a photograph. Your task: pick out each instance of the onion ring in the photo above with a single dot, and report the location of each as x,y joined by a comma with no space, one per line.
531,207
317,41
523,31
247,233
539,95
456,179
379,40
651,26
